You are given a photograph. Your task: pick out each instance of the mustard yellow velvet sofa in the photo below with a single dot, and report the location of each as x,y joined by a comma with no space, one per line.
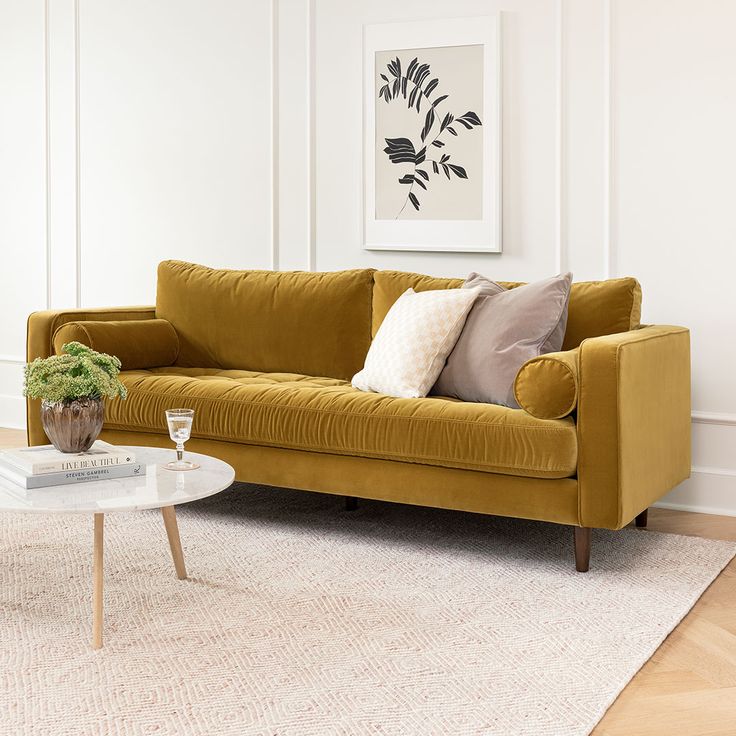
265,359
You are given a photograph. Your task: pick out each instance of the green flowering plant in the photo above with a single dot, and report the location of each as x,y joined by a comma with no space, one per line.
79,372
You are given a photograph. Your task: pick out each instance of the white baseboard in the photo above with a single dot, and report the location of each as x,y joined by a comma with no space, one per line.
707,491
13,411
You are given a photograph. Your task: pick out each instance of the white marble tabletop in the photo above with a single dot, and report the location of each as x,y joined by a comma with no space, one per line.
157,488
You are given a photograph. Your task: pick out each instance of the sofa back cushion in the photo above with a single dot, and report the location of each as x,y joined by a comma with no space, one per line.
595,307
316,324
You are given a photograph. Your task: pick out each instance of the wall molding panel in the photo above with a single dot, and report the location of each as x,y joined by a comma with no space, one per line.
47,144
312,130
560,198
275,126
24,201
293,167
63,264
705,417
77,160
608,141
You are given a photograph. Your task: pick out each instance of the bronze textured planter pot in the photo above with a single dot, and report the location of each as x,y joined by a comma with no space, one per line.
72,426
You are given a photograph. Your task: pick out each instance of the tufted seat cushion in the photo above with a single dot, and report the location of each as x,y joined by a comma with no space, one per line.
328,415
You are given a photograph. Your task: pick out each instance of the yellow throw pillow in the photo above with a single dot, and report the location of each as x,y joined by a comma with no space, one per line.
547,387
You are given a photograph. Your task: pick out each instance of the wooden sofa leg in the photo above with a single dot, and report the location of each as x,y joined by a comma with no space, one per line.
351,503
582,548
641,520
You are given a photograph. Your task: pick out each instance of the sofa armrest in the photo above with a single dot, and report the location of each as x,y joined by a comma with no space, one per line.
633,422
547,386
43,325
39,344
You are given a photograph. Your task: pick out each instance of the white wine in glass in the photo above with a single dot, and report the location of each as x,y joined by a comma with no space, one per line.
180,429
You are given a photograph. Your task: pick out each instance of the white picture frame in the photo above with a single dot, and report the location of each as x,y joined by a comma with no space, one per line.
482,232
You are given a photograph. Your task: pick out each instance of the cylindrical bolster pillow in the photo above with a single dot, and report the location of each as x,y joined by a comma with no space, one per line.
139,343
547,386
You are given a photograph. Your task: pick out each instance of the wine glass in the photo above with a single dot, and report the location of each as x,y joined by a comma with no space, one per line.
180,429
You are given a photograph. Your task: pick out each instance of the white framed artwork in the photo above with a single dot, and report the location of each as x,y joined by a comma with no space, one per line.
432,135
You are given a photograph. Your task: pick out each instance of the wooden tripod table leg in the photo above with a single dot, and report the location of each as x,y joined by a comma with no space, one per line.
172,532
97,574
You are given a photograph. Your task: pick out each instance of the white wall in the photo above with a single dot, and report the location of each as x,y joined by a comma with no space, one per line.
673,115
22,191
230,132
130,132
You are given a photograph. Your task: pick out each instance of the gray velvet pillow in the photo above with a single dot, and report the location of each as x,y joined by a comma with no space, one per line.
504,329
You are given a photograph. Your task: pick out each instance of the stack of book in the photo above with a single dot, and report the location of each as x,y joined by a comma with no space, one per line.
44,466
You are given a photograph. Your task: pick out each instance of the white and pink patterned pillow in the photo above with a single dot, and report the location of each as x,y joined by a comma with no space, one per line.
411,345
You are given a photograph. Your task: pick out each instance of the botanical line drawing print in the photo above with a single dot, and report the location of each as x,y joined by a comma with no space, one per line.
410,86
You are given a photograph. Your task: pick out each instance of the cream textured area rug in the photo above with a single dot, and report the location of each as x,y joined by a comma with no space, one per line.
302,619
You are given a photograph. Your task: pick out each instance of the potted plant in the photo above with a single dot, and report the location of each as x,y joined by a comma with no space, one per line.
72,387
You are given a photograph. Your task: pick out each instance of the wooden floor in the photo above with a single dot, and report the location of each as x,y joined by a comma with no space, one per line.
688,688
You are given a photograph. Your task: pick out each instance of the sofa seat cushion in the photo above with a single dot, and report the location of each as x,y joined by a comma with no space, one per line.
329,415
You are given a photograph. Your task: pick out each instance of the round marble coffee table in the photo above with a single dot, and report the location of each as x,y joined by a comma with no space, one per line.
159,488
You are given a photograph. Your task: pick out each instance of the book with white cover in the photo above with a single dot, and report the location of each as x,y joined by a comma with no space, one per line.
47,459
45,480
